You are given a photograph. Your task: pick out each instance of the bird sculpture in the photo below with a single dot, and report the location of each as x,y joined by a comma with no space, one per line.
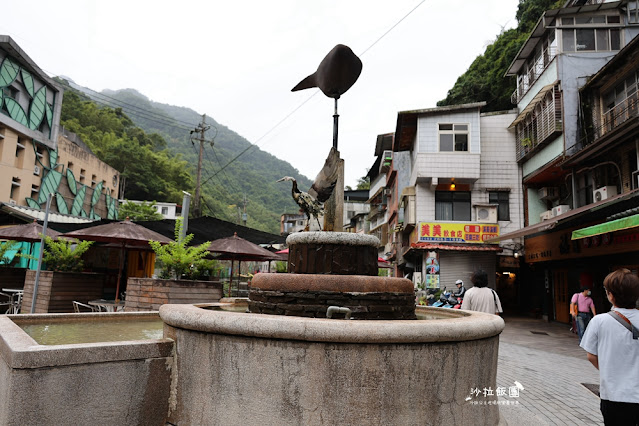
337,72
311,202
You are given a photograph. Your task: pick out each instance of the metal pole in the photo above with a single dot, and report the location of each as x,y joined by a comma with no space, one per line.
44,232
335,124
185,214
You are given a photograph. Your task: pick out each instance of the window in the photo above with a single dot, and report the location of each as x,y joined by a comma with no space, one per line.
165,210
452,205
501,198
453,137
588,38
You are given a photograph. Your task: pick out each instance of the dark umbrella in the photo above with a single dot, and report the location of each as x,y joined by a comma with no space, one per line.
29,232
236,248
125,233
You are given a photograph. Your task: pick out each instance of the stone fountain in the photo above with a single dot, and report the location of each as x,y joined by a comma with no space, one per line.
286,363
376,359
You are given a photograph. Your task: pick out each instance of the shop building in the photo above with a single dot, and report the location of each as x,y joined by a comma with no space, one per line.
463,190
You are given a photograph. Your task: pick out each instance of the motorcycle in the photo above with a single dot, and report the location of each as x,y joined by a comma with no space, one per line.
443,298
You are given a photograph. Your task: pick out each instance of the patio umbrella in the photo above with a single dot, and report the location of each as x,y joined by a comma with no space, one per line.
236,248
124,234
29,232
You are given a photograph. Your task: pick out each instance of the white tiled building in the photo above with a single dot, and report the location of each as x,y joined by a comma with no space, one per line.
467,187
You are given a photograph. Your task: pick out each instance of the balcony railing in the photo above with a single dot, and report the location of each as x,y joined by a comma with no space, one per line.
533,74
540,124
617,115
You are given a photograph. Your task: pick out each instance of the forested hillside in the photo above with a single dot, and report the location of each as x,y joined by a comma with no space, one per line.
484,80
149,143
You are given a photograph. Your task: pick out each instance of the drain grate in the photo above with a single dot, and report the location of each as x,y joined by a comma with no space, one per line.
540,332
591,387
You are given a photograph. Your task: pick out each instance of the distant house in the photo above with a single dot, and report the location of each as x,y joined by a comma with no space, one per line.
292,222
356,211
167,210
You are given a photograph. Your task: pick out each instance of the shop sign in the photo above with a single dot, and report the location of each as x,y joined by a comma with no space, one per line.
444,232
508,262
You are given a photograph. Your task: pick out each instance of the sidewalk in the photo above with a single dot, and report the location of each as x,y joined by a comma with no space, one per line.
547,361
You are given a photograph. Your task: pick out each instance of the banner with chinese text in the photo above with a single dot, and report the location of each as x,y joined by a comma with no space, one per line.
456,232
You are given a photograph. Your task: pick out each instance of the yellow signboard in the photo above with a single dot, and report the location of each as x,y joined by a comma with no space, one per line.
456,232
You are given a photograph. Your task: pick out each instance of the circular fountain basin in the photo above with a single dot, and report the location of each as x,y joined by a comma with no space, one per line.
269,369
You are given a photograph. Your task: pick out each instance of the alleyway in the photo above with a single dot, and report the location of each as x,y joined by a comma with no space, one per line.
546,359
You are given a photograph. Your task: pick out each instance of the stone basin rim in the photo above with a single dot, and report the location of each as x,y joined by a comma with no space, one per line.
459,326
337,238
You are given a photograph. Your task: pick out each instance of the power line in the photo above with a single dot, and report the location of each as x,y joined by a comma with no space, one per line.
144,113
255,145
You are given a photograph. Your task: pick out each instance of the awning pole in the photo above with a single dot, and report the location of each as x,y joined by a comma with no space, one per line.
44,232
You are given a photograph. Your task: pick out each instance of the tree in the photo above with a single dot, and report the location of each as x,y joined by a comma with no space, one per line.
144,211
484,80
364,182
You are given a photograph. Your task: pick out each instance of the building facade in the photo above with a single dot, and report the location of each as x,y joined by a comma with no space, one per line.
37,159
464,189
576,146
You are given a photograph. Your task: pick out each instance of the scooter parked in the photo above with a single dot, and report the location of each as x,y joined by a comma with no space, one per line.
443,298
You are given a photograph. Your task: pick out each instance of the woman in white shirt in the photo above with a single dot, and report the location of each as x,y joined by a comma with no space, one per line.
612,343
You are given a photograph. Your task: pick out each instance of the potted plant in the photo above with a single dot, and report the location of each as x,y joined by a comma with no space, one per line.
182,278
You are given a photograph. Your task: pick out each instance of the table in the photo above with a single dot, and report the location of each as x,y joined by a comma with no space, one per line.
108,305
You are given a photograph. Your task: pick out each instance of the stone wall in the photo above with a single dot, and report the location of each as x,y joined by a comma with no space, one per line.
58,290
289,370
148,294
314,304
125,383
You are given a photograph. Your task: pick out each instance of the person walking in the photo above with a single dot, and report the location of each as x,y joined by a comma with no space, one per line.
481,298
582,309
612,345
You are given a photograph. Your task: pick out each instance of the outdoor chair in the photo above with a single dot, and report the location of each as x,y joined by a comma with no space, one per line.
6,303
79,307
12,302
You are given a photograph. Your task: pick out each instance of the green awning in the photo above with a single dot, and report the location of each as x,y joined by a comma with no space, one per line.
603,228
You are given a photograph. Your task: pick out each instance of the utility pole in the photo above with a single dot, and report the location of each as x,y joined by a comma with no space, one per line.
201,128
244,215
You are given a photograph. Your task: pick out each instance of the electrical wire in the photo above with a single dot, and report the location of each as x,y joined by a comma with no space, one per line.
255,144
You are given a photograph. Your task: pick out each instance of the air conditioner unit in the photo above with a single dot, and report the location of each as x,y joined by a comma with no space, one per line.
12,202
604,193
545,215
36,170
548,193
486,214
560,209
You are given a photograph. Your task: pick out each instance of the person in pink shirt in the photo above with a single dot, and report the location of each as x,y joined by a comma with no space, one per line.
582,305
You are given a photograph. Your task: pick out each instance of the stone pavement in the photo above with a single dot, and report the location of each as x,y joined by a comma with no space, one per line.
547,361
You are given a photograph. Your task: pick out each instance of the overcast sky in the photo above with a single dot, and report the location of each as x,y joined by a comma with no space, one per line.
236,61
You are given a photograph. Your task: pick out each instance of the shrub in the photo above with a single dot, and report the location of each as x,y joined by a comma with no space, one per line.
181,261
65,255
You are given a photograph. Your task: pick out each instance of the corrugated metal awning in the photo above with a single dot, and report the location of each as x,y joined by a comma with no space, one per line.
29,213
531,105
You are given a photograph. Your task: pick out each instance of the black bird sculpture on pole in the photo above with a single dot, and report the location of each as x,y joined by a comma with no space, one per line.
337,72
311,202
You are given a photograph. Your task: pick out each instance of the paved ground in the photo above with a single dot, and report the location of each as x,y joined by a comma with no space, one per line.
551,367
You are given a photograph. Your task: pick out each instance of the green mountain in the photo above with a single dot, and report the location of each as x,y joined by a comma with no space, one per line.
484,80
235,173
